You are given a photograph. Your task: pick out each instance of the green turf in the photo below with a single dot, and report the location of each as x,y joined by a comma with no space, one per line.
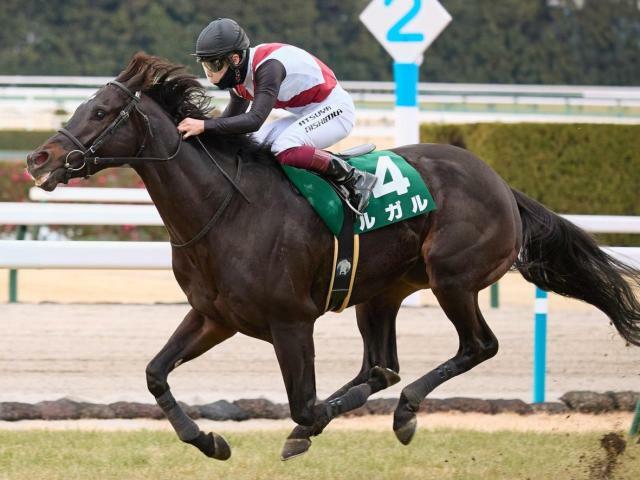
355,455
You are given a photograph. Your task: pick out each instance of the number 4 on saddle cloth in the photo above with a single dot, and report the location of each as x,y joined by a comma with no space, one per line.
399,194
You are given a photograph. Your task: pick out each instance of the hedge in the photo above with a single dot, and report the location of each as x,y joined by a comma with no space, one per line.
25,140
571,168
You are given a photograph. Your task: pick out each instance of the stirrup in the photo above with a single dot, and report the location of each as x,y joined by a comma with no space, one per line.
344,194
368,182
353,184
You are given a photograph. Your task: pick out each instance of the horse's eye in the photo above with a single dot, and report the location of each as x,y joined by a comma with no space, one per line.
100,114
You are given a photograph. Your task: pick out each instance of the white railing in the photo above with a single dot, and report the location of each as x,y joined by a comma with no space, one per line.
117,255
44,102
584,91
77,214
82,254
606,223
30,254
53,95
91,194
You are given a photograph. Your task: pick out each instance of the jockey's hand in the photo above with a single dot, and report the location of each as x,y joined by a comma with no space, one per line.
190,127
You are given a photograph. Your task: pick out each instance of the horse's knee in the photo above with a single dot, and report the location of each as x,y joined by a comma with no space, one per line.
156,380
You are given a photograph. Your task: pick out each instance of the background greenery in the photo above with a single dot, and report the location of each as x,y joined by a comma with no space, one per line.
489,41
570,168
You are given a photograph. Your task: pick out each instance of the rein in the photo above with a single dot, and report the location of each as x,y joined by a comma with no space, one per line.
218,212
90,159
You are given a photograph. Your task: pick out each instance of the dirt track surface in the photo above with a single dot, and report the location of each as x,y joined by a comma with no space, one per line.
98,352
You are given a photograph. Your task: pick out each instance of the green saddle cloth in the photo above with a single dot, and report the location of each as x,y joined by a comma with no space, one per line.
399,194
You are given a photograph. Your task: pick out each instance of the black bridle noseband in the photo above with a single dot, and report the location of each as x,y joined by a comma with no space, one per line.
91,160
89,157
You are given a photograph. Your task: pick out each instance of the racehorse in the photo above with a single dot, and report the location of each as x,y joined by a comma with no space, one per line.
252,257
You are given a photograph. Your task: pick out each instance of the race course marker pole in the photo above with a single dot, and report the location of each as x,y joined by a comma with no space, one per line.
406,28
540,345
635,424
13,274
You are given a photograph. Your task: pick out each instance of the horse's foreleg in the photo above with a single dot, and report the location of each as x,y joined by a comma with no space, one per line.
376,321
293,344
195,335
353,395
477,344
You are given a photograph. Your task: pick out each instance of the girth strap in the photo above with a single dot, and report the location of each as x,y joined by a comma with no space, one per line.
346,254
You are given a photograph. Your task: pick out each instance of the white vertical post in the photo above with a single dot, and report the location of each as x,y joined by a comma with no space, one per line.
406,77
407,125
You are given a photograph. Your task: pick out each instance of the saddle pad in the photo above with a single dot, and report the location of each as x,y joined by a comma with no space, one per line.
399,194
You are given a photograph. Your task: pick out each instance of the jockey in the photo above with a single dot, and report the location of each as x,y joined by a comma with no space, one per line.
275,75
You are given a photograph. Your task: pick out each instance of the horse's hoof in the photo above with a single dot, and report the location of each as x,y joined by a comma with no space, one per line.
388,376
294,447
212,445
405,432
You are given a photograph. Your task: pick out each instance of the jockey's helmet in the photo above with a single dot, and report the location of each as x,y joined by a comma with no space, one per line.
220,38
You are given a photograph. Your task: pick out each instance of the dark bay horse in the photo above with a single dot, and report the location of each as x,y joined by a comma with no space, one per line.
252,257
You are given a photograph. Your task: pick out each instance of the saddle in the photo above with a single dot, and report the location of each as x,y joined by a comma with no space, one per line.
357,151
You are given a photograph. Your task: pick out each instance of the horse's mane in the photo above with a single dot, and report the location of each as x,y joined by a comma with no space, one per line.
180,94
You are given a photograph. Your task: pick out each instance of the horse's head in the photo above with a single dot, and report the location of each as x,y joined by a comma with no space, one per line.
116,122
101,126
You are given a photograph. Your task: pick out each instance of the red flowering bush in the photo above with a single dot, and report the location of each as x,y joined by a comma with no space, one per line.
15,183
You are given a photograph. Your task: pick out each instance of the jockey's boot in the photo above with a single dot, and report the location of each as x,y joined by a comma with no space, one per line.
359,184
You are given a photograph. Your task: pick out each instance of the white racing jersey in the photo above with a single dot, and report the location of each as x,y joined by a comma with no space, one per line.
307,79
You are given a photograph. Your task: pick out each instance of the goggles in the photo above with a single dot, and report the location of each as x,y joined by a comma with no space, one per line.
213,64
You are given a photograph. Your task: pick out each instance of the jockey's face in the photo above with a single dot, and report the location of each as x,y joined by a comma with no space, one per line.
215,77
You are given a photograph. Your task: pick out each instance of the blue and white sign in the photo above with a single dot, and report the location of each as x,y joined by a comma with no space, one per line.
405,28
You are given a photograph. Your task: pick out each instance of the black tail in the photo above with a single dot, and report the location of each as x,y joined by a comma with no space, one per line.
559,257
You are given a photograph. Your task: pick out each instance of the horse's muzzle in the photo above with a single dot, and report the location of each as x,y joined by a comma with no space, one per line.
38,158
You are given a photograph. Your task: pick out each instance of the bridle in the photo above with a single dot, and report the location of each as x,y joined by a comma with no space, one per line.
89,158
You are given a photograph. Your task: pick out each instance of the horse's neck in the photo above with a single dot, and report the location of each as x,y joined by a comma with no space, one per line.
186,190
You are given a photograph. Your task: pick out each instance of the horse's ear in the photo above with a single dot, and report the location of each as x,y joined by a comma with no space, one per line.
134,75
137,82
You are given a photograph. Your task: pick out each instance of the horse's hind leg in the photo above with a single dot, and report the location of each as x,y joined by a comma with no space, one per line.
477,344
195,335
377,322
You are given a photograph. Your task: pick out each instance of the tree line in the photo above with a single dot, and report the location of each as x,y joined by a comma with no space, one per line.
594,42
